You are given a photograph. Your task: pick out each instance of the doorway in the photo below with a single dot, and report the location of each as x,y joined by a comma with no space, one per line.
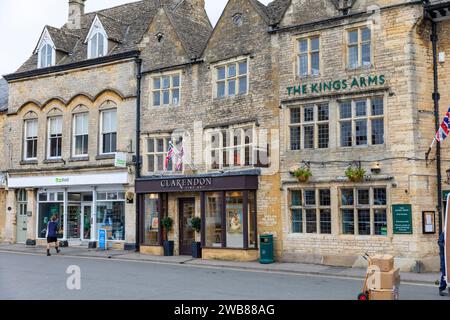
22,218
187,233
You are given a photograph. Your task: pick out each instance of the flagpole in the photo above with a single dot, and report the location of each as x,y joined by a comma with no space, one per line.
178,152
429,149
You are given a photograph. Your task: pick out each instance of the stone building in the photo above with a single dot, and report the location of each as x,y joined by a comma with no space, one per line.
4,93
233,120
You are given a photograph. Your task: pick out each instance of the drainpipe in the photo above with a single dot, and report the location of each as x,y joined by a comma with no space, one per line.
436,97
138,146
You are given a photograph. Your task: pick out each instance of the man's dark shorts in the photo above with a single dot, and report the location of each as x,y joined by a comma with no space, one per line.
52,239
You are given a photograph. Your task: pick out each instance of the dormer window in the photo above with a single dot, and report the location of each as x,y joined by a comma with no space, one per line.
46,51
97,40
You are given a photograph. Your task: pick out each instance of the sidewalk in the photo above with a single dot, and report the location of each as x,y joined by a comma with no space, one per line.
294,268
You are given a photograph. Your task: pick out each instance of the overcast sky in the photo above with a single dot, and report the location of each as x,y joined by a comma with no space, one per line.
22,21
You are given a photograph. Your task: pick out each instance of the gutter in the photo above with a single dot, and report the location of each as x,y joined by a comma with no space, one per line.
138,223
71,66
194,61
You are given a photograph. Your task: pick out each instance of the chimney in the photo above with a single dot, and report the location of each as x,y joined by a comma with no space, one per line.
76,10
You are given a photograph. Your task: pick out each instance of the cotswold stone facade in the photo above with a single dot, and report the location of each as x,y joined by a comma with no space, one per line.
228,116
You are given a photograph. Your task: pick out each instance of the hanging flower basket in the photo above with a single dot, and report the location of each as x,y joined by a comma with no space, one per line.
302,174
355,174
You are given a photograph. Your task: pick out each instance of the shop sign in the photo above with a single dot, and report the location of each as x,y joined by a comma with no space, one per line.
337,85
120,160
187,183
402,217
62,180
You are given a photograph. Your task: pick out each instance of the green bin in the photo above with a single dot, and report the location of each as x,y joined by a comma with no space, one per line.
266,249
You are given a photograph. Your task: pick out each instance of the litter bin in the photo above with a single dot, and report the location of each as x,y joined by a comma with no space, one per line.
266,249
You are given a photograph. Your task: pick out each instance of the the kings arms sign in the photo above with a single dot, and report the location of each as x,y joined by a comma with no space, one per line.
337,85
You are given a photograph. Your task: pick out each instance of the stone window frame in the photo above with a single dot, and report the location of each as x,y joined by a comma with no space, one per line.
81,112
230,149
31,118
318,207
166,138
225,64
101,133
161,90
309,54
315,123
369,117
356,207
58,136
359,44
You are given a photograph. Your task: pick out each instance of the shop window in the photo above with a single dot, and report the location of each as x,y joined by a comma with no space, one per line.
80,134
361,122
359,48
312,123
166,90
311,206
226,229
232,79
158,149
111,214
308,57
365,216
31,139
54,137
108,131
50,204
155,206
213,234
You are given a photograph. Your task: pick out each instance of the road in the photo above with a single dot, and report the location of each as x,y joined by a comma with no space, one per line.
32,277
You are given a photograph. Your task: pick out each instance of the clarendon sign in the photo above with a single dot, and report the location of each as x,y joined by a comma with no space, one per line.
337,85
187,183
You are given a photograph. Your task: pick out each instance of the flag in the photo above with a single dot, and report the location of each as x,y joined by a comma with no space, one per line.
180,156
444,129
170,154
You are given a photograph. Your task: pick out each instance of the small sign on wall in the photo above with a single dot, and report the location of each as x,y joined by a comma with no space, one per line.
428,222
29,213
402,217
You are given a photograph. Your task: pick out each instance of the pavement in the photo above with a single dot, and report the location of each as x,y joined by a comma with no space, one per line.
277,267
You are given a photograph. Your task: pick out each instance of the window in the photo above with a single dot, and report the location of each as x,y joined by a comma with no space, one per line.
361,122
157,149
111,214
313,207
166,91
232,79
22,201
50,204
54,137
98,46
311,122
155,208
308,56
31,139
109,131
233,147
46,56
363,211
80,134
359,48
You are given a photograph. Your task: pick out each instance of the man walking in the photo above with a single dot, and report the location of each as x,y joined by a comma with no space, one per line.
443,282
52,236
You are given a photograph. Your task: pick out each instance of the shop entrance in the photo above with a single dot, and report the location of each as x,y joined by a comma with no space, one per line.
21,231
187,233
79,216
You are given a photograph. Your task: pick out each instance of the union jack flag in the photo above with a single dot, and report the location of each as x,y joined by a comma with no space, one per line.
180,156
170,154
444,129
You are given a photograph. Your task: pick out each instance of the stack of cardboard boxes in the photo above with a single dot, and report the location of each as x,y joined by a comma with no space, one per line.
383,279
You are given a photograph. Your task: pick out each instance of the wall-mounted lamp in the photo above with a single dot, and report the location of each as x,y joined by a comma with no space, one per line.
376,168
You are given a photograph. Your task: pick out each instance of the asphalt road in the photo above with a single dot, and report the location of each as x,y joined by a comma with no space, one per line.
31,277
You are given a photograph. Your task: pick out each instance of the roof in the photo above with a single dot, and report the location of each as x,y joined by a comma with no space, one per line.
126,25
4,91
276,10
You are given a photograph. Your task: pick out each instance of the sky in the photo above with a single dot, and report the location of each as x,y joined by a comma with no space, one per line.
22,22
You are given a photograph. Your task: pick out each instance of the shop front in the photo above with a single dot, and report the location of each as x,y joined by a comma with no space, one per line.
82,204
226,204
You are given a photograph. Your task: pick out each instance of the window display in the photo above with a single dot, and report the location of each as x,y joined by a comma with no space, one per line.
234,213
213,234
50,204
152,209
111,214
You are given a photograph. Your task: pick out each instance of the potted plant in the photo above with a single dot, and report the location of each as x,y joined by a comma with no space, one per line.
355,174
303,174
196,224
167,224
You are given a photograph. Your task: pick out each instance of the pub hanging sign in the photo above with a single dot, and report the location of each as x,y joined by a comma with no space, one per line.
337,85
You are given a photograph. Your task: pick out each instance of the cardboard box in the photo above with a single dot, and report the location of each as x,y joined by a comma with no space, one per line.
384,294
383,280
383,261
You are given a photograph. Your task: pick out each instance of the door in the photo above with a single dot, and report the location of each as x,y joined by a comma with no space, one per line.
87,221
187,233
21,231
74,221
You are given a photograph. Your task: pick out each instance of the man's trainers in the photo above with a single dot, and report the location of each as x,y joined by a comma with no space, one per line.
58,251
443,293
48,254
